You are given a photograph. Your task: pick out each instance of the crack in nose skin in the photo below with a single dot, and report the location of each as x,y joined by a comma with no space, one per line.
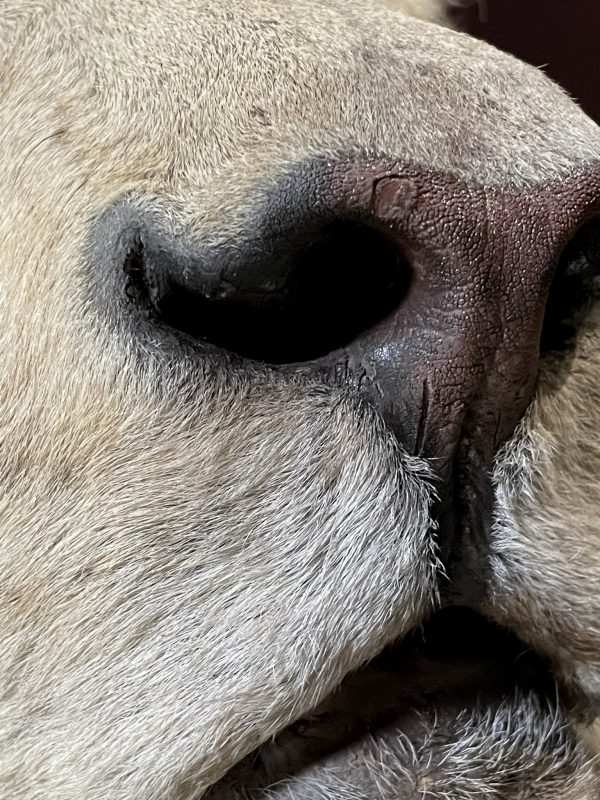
496,253
422,432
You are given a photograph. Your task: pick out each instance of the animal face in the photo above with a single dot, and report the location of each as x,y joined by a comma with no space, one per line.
300,404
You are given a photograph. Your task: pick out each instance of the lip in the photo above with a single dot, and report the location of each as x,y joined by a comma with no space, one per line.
456,661
403,717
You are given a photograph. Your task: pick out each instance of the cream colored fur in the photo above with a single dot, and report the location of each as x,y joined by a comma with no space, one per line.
192,559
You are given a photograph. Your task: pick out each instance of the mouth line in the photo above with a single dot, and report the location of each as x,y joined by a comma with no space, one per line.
459,682
457,660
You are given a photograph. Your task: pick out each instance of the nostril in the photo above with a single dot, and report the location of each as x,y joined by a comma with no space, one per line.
296,304
575,286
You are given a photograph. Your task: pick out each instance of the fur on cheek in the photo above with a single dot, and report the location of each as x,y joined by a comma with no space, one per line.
179,584
196,620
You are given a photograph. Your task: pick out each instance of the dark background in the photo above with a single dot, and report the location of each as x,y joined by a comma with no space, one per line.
562,36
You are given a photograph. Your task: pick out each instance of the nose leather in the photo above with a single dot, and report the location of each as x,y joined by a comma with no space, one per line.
453,367
458,357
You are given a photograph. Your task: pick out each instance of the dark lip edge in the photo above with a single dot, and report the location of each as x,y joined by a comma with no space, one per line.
551,688
553,693
499,636
550,704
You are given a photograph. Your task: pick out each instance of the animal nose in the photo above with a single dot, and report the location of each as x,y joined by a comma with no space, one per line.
418,292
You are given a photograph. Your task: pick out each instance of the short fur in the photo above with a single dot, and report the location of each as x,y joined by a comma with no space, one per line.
192,556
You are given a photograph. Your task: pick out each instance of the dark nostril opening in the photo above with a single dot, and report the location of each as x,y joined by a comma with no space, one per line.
575,287
323,295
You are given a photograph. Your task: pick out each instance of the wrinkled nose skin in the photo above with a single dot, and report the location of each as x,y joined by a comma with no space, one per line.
454,366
